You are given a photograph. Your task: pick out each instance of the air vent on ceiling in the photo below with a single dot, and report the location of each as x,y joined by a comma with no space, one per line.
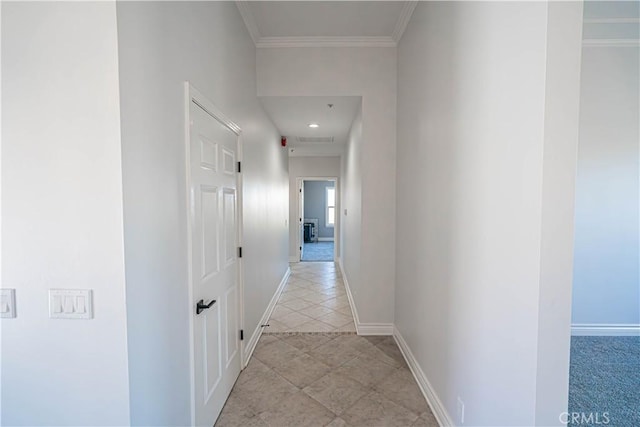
316,139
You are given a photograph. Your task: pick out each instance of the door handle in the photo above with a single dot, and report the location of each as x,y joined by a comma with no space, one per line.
201,306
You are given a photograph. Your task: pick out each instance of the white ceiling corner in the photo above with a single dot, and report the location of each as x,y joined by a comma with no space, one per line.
403,20
611,23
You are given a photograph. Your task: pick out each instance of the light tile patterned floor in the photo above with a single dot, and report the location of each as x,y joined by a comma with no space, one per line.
326,380
314,300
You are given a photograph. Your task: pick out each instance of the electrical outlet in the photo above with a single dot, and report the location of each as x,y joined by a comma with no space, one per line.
460,411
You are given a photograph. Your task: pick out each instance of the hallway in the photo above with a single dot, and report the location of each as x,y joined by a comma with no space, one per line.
314,300
470,146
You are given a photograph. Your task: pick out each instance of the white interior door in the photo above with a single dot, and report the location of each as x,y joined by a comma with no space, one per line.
213,148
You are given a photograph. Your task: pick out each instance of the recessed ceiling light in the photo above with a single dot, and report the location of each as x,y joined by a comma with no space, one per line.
313,125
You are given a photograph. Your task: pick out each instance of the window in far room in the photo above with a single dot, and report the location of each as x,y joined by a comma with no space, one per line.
331,207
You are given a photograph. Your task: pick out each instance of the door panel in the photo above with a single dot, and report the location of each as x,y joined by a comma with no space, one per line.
211,357
209,238
232,338
214,262
230,225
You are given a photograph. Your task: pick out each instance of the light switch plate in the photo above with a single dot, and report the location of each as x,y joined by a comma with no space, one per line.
70,304
7,303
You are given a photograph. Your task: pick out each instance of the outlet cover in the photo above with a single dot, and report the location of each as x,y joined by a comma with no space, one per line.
7,303
70,304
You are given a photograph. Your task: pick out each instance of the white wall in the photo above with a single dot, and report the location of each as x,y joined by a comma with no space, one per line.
307,167
474,198
351,196
370,73
606,288
62,214
163,44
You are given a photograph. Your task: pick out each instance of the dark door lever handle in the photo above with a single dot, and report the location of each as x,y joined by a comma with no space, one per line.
201,306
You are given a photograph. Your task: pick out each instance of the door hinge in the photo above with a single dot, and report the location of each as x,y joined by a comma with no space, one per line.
240,252
300,190
239,167
300,247
241,334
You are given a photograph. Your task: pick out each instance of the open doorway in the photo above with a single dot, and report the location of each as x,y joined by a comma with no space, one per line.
605,342
317,209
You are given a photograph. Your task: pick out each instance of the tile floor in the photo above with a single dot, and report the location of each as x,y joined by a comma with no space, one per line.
314,300
311,369
300,379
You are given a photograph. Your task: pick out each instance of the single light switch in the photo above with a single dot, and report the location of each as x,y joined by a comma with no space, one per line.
57,304
7,303
70,304
80,305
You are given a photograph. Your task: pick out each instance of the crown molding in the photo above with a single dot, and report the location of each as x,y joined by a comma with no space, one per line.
249,20
283,42
403,20
612,20
611,43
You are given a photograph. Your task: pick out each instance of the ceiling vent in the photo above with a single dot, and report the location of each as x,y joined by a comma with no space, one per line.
315,139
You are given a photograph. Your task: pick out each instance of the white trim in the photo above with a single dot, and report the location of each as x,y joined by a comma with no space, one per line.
611,21
603,329
249,20
293,259
326,41
300,194
403,20
610,43
327,207
375,328
257,333
326,239
362,328
191,94
288,42
437,408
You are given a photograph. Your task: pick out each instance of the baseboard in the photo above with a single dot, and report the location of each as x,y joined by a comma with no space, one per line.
325,239
253,341
437,408
293,259
363,328
613,329
374,328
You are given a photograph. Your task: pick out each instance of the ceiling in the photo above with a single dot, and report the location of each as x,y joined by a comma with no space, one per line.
293,114
326,23
277,24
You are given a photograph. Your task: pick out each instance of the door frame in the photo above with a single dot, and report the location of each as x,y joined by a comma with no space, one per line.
192,94
336,228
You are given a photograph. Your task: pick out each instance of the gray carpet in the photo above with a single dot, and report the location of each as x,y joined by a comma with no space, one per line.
605,378
321,251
